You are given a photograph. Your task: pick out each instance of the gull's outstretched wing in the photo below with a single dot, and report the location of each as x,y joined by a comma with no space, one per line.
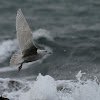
24,35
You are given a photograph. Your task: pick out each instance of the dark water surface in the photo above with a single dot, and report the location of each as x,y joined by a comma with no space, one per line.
75,26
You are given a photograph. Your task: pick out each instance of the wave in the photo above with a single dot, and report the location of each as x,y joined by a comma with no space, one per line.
8,68
9,46
6,49
46,88
42,33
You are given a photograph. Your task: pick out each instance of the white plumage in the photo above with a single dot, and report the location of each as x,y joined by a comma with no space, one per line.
26,44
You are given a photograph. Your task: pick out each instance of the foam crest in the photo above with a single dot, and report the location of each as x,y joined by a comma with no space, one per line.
6,48
46,88
89,90
42,33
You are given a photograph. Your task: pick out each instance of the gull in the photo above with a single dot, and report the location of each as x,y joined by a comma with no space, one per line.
29,52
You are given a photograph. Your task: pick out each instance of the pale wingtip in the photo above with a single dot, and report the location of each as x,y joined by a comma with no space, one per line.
19,9
12,60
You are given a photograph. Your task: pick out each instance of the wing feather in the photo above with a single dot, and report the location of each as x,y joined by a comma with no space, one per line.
24,34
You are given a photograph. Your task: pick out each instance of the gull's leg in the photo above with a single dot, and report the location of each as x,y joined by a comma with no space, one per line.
19,68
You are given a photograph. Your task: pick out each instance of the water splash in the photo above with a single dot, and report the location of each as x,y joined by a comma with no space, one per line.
6,49
42,33
46,88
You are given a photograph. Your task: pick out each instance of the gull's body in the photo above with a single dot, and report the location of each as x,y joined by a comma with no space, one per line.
29,52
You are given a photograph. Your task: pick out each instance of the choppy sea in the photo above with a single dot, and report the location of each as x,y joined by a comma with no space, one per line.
72,72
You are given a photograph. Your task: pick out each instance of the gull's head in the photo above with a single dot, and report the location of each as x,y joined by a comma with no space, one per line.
44,52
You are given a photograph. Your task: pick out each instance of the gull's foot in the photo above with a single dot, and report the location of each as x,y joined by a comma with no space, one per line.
20,67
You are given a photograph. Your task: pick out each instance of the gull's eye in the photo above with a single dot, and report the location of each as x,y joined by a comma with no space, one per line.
45,51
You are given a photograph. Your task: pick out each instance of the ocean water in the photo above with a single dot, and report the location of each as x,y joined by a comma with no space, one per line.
73,36
46,88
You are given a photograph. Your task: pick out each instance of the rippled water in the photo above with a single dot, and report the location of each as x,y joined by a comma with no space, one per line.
74,38
74,26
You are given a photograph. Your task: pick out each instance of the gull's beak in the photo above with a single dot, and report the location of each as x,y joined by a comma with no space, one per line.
50,53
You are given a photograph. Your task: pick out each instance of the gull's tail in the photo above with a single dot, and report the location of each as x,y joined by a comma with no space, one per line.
16,59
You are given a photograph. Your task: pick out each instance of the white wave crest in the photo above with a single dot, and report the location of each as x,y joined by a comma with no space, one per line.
42,33
6,48
46,88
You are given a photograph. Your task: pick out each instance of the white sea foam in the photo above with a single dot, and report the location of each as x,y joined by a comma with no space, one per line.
42,33
46,88
6,48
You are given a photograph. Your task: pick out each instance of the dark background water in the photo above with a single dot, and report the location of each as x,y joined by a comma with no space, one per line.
75,26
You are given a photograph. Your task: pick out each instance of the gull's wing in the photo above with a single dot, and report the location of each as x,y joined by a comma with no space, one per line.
24,35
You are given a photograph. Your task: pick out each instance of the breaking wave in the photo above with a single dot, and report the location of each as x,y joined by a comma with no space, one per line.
46,88
6,49
42,33
9,46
